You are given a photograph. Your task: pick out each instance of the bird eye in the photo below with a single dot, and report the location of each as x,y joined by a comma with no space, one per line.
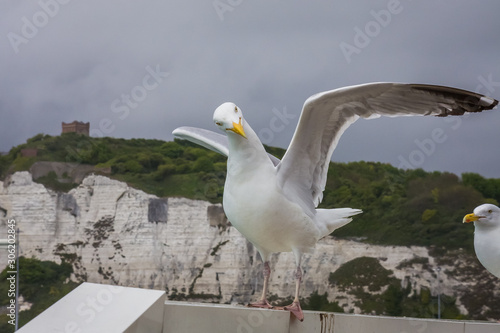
235,109
218,123
490,211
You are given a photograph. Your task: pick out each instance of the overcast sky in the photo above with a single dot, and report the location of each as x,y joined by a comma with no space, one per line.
139,69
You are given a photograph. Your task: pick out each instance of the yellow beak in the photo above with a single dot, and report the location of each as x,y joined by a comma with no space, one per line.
238,129
471,218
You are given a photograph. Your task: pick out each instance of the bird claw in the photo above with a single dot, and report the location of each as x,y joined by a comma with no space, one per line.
296,310
262,304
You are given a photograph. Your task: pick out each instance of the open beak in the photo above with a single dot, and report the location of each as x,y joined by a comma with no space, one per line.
238,129
471,218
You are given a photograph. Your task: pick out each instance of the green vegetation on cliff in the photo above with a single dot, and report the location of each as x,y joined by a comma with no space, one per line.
401,207
379,292
41,283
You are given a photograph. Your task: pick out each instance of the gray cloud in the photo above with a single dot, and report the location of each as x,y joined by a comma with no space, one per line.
262,55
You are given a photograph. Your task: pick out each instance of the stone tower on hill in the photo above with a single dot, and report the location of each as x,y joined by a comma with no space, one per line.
77,127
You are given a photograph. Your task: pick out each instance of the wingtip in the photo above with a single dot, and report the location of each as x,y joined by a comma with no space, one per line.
357,211
488,103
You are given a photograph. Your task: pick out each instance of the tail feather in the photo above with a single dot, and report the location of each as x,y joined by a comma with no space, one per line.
328,220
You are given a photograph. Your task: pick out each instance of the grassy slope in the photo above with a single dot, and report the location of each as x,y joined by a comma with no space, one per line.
400,207
42,283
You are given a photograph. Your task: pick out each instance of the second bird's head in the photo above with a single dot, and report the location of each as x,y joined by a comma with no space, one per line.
486,215
228,118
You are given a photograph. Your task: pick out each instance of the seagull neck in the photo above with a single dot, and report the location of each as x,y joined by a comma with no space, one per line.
484,227
249,150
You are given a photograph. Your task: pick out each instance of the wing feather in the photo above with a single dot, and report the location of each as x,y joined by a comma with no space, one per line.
205,138
325,116
210,140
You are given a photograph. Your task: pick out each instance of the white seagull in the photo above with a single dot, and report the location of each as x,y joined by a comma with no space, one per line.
272,202
486,220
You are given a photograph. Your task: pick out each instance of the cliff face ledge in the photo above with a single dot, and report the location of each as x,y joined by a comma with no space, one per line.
113,233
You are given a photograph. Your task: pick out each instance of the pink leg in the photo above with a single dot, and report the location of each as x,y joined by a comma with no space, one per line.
295,308
263,303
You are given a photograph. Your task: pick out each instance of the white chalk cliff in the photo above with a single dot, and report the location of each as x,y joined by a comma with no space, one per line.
113,233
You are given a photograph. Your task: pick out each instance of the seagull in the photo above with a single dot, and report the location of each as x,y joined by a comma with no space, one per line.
486,220
274,203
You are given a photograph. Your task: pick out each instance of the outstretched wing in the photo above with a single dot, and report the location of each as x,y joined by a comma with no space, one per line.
210,140
325,116
205,138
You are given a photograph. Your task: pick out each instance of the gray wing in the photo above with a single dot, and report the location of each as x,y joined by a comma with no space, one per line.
325,116
210,140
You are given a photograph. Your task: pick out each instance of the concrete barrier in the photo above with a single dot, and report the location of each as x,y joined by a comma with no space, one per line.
96,308
200,317
103,308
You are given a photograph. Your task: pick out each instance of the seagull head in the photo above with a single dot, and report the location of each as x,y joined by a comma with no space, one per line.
487,215
228,118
